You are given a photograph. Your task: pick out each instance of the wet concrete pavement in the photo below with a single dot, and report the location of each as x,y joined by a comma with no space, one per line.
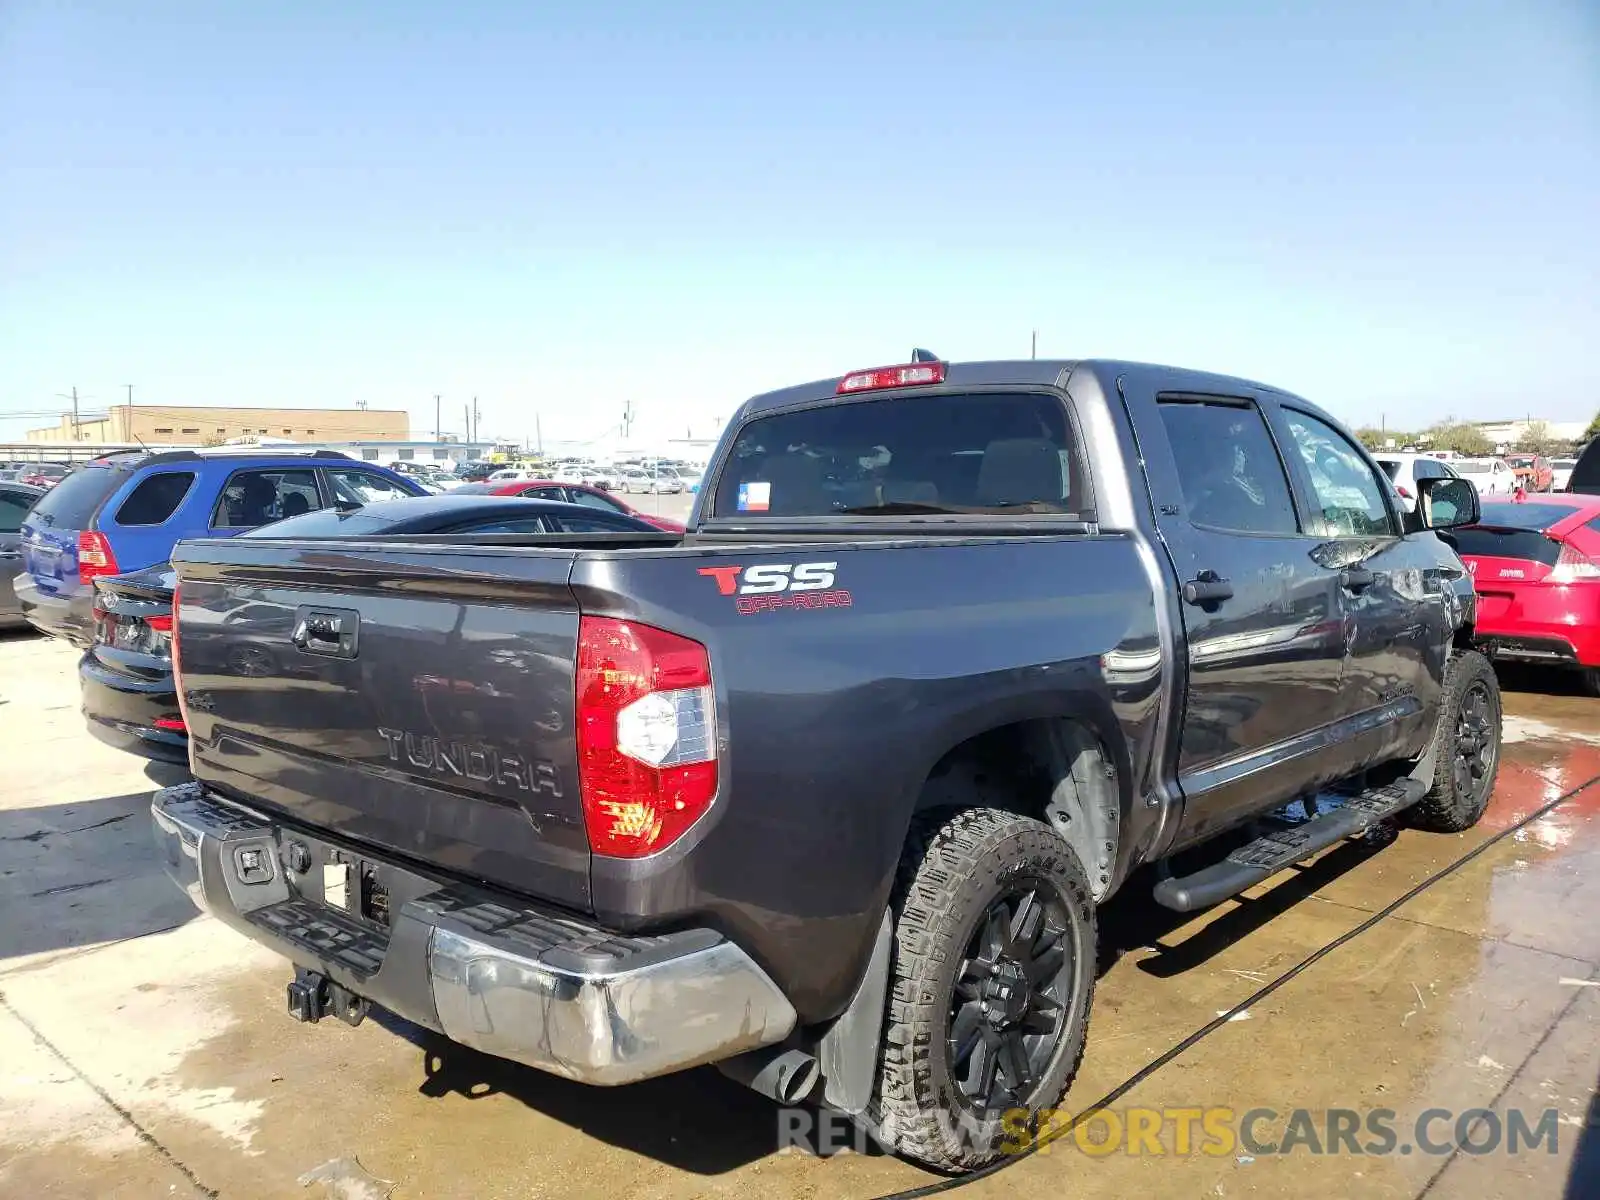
144,1052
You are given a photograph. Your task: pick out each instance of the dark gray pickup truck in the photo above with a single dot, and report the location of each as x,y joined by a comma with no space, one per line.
828,791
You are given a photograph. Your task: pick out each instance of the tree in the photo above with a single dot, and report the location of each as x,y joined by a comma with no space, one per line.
1539,438
1460,436
1379,439
1593,431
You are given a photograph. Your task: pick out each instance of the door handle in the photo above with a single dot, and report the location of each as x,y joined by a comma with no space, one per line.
1207,588
1357,579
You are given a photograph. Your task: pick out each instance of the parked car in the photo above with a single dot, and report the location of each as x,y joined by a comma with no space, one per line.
1561,473
589,476
574,493
124,512
125,676
129,697
1536,568
15,501
829,793
45,475
476,472
1491,476
1404,470
1533,472
659,481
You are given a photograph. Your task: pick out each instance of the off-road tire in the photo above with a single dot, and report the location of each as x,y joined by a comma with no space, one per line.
954,867
1448,808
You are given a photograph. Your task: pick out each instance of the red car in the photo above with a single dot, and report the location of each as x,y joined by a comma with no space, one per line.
570,493
1533,472
1536,568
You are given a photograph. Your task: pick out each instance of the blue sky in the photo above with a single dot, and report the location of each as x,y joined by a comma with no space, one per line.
1393,208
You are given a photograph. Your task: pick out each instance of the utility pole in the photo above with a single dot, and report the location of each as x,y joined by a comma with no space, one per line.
538,433
474,419
74,398
1034,353
436,416
466,417
129,386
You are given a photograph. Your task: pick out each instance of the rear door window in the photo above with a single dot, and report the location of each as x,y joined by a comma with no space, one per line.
73,502
594,500
255,498
503,525
1232,477
156,498
978,453
595,524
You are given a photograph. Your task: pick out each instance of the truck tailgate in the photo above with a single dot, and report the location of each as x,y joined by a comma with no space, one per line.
364,691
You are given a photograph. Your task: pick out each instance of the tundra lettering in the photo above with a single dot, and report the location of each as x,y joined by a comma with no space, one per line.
482,763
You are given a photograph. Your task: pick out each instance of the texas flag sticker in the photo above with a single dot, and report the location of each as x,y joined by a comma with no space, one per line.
755,496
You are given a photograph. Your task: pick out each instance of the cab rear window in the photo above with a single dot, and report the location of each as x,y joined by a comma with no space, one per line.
963,453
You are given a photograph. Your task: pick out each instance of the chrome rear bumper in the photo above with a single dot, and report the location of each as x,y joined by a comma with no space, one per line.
537,986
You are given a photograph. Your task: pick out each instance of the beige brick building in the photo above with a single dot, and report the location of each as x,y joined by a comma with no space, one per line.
169,425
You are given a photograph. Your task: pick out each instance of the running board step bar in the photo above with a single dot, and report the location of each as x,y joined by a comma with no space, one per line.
1267,855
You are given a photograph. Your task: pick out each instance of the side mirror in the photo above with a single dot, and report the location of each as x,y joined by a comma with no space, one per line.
1447,503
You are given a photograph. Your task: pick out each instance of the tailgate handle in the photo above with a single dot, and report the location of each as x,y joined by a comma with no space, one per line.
327,631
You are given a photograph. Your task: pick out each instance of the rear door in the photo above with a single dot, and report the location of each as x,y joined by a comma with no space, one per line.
1263,619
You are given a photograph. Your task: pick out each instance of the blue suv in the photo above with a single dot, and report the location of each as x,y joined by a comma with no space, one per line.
125,512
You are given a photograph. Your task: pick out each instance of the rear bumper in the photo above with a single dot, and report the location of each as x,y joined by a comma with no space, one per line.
68,617
536,986
121,710
1546,625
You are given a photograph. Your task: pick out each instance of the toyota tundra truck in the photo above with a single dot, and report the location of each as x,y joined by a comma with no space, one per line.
828,790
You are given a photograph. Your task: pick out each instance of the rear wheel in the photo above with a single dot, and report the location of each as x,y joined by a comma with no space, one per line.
1590,677
993,974
1466,747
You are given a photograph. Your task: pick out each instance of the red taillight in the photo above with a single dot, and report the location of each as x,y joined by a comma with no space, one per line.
647,735
160,624
171,724
94,557
1573,566
1405,492
910,375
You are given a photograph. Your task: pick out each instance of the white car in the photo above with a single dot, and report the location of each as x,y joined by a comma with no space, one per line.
1404,470
1561,473
1491,476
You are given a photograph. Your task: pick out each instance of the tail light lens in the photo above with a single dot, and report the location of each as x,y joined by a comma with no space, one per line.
1573,566
647,735
94,557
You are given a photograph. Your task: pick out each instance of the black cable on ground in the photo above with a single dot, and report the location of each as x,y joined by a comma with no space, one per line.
1149,1069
